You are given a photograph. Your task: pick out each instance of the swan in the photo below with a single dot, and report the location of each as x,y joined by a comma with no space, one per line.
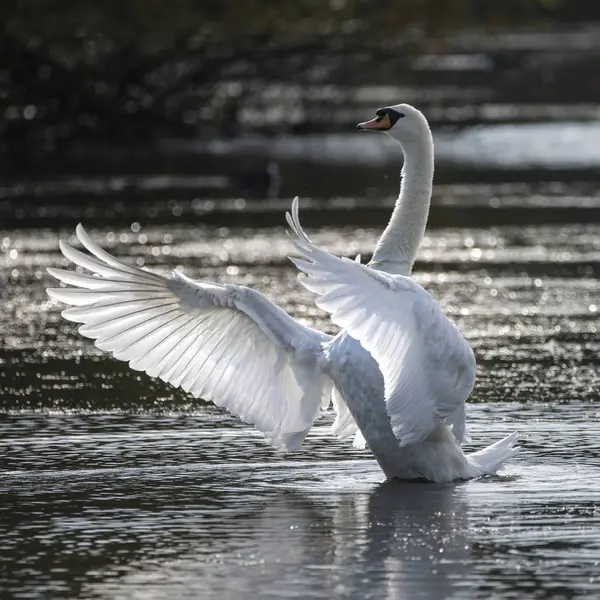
398,373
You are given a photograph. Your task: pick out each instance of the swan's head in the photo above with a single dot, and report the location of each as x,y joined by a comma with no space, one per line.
402,122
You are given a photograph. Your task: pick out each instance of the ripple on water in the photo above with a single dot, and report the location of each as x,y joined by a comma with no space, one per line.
201,505
117,486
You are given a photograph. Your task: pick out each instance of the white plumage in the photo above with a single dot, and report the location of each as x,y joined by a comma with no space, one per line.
399,373
427,366
225,343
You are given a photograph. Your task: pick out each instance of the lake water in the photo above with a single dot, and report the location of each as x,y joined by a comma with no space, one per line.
113,485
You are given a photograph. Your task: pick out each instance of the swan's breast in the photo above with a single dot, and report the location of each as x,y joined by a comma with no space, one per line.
359,381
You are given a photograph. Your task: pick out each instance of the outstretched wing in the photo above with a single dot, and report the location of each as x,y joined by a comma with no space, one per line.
226,343
427,366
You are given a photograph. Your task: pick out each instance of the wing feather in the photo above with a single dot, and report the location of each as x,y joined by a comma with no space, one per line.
427,366
225,343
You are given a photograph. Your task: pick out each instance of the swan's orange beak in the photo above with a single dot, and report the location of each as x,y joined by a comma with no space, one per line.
380,123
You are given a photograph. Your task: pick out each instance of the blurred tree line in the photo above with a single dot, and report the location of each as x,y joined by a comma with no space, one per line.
129,66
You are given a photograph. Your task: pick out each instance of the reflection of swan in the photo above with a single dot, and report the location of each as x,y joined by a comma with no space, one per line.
398,541
411,543
401,370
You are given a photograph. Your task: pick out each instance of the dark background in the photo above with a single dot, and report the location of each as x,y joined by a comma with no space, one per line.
81,78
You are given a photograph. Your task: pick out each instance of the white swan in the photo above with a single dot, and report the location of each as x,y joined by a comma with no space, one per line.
399,373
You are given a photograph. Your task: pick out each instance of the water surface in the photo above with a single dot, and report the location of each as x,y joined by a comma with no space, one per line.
114,485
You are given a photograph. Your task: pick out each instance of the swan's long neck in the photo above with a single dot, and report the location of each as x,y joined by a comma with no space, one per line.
397,248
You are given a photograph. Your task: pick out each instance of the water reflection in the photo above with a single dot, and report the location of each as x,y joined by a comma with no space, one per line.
141,506
413,542
397,541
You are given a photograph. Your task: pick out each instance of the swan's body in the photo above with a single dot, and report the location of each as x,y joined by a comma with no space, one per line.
399,373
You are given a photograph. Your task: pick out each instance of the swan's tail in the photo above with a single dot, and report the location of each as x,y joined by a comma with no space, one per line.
491,459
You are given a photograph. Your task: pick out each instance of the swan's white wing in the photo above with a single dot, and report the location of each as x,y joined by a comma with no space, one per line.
427,366
226,343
